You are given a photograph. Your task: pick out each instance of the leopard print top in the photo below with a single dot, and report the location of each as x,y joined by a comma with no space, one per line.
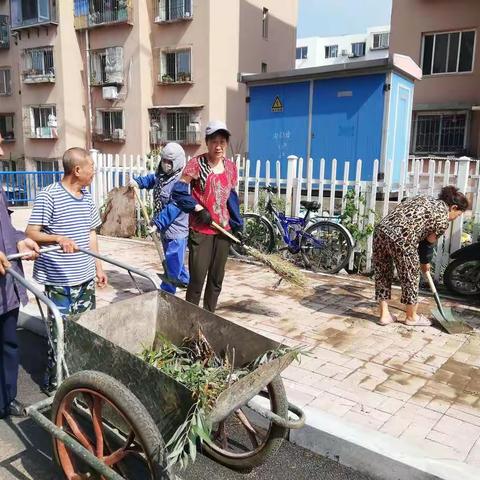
414,220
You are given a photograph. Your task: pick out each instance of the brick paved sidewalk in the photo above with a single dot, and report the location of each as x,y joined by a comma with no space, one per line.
417,384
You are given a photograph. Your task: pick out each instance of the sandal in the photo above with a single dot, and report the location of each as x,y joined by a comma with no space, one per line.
421,321
393,319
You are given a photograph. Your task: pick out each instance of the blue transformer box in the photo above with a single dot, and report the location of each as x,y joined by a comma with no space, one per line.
359,110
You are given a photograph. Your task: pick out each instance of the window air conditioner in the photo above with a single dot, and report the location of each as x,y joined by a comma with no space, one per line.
110,93
345,53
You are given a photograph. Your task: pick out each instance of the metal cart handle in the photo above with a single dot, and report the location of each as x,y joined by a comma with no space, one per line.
152,278
57,318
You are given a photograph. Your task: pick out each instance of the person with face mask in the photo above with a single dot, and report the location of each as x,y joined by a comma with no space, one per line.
170,222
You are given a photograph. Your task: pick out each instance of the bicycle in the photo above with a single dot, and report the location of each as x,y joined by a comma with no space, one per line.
325,246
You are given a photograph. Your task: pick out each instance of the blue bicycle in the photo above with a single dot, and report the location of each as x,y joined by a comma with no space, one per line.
324,245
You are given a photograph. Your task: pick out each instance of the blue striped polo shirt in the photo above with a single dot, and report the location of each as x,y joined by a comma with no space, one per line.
60,213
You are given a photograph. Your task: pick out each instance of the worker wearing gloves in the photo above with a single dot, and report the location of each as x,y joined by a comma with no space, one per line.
405,239
168,219
207,192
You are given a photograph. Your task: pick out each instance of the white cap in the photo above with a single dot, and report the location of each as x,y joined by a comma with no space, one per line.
214,126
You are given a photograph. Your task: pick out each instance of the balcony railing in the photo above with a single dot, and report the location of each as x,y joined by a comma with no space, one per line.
102,13
116,136
4,32
41,133
184,137
173,11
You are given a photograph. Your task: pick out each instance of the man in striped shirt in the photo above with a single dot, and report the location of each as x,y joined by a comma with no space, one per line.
64,213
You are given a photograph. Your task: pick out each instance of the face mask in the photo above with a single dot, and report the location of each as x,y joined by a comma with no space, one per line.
167,166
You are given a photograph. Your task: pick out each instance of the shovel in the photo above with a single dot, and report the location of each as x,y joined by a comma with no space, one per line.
444,316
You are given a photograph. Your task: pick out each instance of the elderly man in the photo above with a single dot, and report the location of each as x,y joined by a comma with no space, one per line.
11,296
64,213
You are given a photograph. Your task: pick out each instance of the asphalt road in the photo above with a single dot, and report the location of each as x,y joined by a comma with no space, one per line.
25,449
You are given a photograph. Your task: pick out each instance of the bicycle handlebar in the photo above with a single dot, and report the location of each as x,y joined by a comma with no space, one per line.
270,189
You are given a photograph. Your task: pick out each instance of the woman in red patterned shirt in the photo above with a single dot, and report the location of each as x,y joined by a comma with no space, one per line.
212,178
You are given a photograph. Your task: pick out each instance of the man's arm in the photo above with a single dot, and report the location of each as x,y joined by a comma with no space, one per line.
102,278
35,233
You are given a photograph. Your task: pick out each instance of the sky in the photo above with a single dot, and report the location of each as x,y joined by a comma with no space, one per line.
322,18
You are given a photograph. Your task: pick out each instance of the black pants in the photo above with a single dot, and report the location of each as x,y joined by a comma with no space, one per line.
9,359
207,254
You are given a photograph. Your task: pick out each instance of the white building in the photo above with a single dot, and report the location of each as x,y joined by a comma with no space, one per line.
321,51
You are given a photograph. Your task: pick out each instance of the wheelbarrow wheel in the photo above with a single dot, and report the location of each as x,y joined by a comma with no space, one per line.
108,420
239,442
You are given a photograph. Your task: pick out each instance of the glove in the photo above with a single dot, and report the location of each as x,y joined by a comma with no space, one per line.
425,251
151,229
133,183
238,232
204,216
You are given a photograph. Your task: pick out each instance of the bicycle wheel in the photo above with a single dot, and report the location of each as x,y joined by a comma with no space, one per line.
257,233
326,247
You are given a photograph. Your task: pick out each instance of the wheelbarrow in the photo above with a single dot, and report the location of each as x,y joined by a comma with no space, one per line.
113,413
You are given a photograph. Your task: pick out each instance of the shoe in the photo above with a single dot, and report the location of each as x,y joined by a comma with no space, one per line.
49,389
16,409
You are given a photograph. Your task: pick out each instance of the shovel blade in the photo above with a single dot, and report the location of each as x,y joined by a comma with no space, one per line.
449,322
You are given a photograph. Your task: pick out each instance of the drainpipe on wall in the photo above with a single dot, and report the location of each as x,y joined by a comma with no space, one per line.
89,93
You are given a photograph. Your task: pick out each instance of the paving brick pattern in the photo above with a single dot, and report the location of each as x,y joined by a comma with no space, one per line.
417,384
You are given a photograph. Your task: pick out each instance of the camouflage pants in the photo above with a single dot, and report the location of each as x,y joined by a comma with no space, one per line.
69,301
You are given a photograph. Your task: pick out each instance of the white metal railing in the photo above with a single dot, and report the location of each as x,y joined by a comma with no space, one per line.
416,177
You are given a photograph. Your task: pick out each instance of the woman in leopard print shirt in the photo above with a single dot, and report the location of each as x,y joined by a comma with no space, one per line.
405,239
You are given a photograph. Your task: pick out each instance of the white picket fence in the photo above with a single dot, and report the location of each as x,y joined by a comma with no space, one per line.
417,176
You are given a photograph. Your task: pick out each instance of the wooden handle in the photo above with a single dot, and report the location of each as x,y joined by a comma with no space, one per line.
429,278
225,232
156,241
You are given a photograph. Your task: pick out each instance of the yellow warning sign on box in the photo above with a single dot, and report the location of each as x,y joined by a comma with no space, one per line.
277,105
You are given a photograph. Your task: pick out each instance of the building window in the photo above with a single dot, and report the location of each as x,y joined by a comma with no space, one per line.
99,12
47,165
4,31
38,65
5,81
172,10
448,52
264,67
381,41
110,126
31,12
7,127
265,23
440,132
331,51
176,66
179,125
106,66
301,53
40,121
358,49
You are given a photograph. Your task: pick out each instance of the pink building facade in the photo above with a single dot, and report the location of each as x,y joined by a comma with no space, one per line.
442,37
127,76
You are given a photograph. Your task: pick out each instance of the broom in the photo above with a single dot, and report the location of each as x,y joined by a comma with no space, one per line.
280,266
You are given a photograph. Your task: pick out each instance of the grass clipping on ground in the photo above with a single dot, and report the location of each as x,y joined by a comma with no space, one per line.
196,365
281,267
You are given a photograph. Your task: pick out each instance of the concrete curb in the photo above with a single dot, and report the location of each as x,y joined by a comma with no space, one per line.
374,453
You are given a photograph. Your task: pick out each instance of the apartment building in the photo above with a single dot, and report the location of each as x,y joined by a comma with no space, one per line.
127,76
322,51
442,37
